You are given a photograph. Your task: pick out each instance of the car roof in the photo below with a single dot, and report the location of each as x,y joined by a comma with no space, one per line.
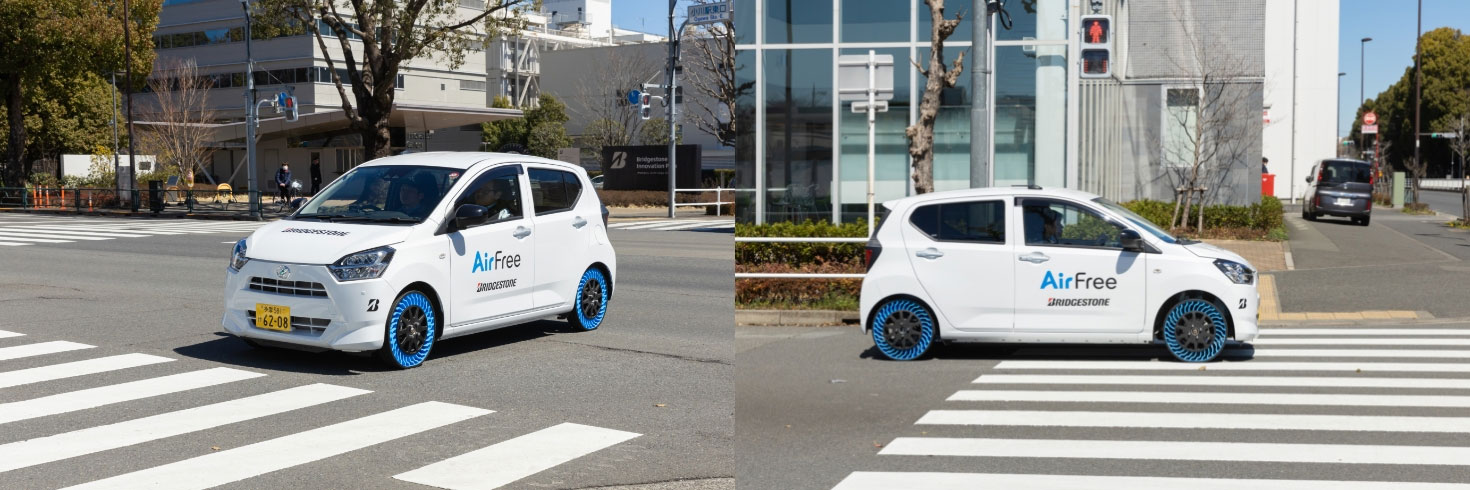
992,192
464,160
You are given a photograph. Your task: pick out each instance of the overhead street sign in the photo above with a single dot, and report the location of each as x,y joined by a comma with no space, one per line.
709,13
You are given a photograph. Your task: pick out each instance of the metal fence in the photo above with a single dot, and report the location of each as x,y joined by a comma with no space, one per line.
797,275
1454,185
93,199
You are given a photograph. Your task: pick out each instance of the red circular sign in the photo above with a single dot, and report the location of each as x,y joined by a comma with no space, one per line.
1370,118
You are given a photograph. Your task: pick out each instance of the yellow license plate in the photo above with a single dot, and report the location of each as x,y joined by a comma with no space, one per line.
273,317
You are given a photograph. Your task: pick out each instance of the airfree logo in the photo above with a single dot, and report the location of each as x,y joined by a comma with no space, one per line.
486,261
1079,280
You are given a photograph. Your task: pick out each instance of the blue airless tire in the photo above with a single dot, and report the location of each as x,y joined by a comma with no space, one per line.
412,326
590,303
1195,330
903,329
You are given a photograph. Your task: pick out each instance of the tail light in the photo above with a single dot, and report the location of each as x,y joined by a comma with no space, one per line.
870,254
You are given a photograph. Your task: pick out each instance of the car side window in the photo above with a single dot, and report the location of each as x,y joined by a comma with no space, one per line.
499,191
975,221
553,191
1057,223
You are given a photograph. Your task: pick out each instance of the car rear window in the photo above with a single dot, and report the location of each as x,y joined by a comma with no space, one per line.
975,221
1338,172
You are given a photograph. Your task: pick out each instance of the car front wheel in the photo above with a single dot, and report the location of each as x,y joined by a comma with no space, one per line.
1195,330
903,329
412,326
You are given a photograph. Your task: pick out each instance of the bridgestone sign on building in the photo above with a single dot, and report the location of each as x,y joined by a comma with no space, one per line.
646,168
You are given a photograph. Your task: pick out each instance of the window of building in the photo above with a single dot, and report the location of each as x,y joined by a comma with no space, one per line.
867,21
1179,127
472,85
348,158
798,21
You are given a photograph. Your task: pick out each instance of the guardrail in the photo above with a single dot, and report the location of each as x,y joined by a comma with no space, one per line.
719,197
1454,185
797,275
93,199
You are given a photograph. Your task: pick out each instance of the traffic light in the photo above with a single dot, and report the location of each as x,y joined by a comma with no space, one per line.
645,106
1097,46
287,103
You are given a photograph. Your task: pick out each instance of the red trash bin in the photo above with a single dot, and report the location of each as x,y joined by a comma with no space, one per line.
1268,184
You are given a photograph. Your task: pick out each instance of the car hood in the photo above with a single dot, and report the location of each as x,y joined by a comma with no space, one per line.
1208,251
314,242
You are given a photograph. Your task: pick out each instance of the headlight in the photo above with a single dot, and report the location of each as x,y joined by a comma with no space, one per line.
238,258
1237,272
367,264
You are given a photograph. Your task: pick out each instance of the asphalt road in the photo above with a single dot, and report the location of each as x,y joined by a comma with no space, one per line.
1334,405
660,367
1443,201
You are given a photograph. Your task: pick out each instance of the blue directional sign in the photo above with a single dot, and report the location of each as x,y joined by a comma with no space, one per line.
634,96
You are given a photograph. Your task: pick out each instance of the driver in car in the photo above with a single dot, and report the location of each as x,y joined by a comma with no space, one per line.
413,196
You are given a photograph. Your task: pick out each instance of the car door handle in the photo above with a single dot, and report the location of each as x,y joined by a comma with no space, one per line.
929,253
1035,257
578,222
521,232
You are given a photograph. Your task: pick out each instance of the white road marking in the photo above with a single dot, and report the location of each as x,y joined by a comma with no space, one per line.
34,240
1161,420
1405,353
1397,341
500,464
74,229
106,395
864,480
1390,332
43,450
1378,367
1245,352
1185,451
296,449
6,335
77,368
99,235
1306,381
39,348
1317,399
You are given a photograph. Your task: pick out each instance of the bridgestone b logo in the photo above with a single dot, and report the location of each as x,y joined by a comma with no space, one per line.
491,286
311,231
1078,301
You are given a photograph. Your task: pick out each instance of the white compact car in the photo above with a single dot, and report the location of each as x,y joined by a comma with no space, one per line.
404,251
1047,265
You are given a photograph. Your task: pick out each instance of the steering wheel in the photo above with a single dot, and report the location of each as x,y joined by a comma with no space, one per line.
364,207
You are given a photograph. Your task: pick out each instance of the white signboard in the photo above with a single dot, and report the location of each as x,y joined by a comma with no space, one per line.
1370,129
852,77
709,13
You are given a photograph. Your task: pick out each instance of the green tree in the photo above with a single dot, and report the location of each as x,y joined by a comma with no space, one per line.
1445,69
392,33
656,132
45,41
497,134
541,130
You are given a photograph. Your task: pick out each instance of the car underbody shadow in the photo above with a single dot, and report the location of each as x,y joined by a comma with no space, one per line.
1234,351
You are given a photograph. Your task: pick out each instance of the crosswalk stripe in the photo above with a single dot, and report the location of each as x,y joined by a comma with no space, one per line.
500,464
1175,397
710,225
107,395
77,368
1186,451
92,229
43,450
35,240
1398,341
1162,420
865,480
1379,353
6,335
296,449
40,348
12,244
13,231
1334,382
1378,367
637,225
1244,352
1396,332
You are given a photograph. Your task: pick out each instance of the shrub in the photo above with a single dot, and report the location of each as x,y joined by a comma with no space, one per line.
825,294
650,199
1262,216
800,254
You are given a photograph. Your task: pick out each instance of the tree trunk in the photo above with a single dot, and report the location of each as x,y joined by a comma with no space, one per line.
1199,226
1465,204
1177,203
15,174
921,134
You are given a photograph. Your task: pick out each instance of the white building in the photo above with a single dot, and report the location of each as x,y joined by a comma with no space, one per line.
1300,113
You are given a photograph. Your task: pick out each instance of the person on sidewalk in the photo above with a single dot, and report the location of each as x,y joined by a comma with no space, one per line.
283,181
1264,160
316,174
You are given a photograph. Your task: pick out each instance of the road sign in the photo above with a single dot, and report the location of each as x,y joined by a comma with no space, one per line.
852,77
709,13
1370,128
634,96
1370,118
1444,135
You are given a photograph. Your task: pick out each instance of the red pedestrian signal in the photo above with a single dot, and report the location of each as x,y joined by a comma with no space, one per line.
1097,46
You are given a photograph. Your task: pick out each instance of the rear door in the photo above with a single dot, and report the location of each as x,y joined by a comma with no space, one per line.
564,234
961,253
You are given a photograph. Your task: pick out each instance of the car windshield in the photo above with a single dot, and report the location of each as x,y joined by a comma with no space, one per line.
381,194
1341,172
1137,220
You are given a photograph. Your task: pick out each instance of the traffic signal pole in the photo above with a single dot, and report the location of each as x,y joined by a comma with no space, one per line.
669,100
250,117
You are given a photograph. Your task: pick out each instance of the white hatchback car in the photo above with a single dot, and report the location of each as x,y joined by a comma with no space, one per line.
404,251
1047,265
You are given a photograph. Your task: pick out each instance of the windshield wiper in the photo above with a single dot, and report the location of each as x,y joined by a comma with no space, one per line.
394,220
324,217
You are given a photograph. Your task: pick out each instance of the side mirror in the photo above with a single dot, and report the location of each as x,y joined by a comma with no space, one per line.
470,215
1131,241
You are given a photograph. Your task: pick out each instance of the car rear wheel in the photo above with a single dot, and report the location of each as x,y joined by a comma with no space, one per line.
903,329
1195,330
590,303
1362,221
412,326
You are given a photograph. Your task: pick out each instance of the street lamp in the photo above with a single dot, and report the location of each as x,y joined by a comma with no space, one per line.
1362,46
1337,126
250,119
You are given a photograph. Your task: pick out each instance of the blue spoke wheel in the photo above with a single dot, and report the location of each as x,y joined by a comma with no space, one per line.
590,302
903,329
412,326
1195,330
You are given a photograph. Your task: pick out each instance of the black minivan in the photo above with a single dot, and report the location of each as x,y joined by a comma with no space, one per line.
1340,187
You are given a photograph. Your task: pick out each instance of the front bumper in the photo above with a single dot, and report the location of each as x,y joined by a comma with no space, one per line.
1246,320
325,313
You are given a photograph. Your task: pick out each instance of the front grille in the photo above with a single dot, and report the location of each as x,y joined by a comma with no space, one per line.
295,288
300,325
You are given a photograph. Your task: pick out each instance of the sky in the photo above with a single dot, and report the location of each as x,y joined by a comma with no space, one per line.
1391,25
651,16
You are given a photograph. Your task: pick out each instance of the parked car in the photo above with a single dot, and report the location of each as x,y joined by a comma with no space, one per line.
1032,265
597,182
1340,187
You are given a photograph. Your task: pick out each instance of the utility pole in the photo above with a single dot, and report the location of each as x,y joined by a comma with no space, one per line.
250,117
1418,41
116,159
980,96
128,79
1362,47
670,98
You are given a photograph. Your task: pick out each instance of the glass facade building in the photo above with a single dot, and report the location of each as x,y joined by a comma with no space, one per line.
805,156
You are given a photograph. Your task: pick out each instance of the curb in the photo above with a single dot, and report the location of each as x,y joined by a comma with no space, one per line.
795,318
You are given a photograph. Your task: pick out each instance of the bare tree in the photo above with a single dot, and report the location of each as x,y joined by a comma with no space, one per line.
714,78
1206,125
601,98
178,130
939,77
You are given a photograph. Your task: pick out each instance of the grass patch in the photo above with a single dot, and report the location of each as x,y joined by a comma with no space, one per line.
1417,208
